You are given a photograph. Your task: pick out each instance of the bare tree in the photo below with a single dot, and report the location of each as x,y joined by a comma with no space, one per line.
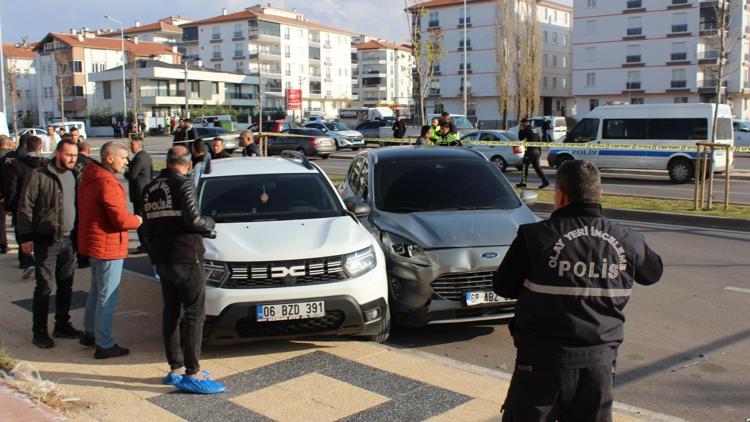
427,50
528,66
11,77
723,24
506,55
62,66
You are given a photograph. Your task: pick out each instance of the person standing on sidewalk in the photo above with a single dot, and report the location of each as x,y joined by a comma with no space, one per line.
546,127
174,230
19,177
532,155
399,127
5,148
46,217
103,224
139,174
572,275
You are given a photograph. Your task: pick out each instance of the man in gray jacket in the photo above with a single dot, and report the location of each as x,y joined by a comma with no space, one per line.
46,217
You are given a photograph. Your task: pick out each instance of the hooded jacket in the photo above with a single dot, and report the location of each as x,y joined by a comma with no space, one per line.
19,177
41,207
103,216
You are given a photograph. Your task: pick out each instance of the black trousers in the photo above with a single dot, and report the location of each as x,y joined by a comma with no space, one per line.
3,229
24,260
55,262
558,394
532,158
183,288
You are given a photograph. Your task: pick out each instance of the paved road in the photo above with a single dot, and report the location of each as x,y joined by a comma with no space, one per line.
686,339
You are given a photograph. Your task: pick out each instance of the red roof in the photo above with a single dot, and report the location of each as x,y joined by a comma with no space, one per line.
152,27
141,49
377,45
12,51
246,14
439,3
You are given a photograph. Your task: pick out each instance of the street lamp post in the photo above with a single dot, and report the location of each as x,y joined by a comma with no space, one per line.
466,71
122,46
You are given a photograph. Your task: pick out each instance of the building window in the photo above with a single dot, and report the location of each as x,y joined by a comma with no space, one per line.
434,21
544,82
216,33
286,33
106,90
591,79
554,38
679,23
545,36
590,54
97,67
76,66
287,51
679,51
564,83
465,19
634,4
593,103
287,69
564,62
679,78
680,100
463,43
634,26
590,3
554,60
637,100
239,49
217,66
78,91
239,67
554,82
633,54
634,80
565,38
590,27
238,33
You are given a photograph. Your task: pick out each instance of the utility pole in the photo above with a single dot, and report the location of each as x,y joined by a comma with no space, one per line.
2,68
466,70
187,95
122,48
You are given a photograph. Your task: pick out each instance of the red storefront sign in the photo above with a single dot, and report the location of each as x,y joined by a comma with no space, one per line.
294,100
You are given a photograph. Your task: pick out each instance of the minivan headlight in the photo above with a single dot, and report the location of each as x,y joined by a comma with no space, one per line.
360,262
217,273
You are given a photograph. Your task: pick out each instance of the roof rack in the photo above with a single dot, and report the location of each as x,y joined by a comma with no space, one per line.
296,155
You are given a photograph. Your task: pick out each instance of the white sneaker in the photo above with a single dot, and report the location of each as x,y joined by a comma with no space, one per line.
27,273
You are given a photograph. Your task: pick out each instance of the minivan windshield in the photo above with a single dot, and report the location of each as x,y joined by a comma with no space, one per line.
404,186
267,197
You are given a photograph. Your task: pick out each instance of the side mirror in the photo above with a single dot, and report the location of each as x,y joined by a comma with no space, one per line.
529,197
357,206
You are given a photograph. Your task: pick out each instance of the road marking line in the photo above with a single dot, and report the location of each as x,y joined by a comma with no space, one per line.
737,289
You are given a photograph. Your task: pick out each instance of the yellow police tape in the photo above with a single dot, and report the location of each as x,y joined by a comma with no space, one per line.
597,146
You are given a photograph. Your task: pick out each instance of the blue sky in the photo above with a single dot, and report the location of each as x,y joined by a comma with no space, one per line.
35,18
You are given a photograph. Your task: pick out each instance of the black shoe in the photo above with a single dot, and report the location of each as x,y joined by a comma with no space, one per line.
140,250
113,352
67,331
87,340
3,249
521,185
43,340
543,185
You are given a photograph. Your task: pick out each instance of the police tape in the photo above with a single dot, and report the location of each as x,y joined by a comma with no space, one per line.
566,145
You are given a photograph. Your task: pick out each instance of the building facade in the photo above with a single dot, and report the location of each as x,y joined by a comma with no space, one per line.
284,49
446,90
163,31
384,75
162,88
659,51
19,64
75,57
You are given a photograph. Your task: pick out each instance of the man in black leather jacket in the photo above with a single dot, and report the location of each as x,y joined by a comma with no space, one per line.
173,230
572,276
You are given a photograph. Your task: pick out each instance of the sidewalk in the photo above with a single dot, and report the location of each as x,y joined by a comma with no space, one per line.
283,380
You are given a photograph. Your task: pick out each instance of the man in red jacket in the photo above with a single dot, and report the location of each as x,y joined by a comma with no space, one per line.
103,224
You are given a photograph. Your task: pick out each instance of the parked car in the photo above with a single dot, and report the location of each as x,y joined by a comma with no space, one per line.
68,125
558,124
226,121
231,141
289,259
274,126
504,157
741,133
34,131
344,136
371,128
445,218
310,142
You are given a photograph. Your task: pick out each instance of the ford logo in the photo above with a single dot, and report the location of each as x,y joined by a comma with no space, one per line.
489,255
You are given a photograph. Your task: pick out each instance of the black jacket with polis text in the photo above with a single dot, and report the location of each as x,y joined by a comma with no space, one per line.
572,276
173,227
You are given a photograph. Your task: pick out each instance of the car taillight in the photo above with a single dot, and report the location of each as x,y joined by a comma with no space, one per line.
517,150
314,142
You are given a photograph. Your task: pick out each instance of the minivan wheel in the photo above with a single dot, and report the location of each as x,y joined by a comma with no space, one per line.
500,163
680,170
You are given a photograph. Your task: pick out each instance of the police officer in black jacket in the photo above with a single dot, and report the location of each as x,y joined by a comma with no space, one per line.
572,276
532,155
173,229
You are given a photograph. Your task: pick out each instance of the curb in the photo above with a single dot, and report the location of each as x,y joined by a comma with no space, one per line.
721,223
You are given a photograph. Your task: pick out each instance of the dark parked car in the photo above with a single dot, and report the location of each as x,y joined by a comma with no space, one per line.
274,126
208,134
310,142
445,218
371,129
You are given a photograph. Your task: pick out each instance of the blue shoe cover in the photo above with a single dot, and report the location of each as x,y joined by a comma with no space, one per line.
200,386
171,379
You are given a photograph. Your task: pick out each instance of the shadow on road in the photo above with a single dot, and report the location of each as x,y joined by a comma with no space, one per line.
432,335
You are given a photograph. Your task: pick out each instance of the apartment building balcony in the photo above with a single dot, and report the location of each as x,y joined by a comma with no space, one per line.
634,34
216,57
635,60
708,58
432,92
709,86
238,36
272,55
241,96
679,4
708,29
709,3
633,88
239,55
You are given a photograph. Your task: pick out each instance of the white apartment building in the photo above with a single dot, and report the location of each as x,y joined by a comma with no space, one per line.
658,51
19,61
384,75
162,88
80,55
446,92
284,49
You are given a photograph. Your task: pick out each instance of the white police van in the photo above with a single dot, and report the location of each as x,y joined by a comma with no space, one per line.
648,124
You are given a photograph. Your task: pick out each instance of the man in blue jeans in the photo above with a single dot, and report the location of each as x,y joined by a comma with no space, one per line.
104,221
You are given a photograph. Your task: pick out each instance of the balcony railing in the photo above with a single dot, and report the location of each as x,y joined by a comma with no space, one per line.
633,58
634,31
240,96
708,55
632,85
708,83
708,26
678,84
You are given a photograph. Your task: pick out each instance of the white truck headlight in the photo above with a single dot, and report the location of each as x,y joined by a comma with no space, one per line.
360,262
